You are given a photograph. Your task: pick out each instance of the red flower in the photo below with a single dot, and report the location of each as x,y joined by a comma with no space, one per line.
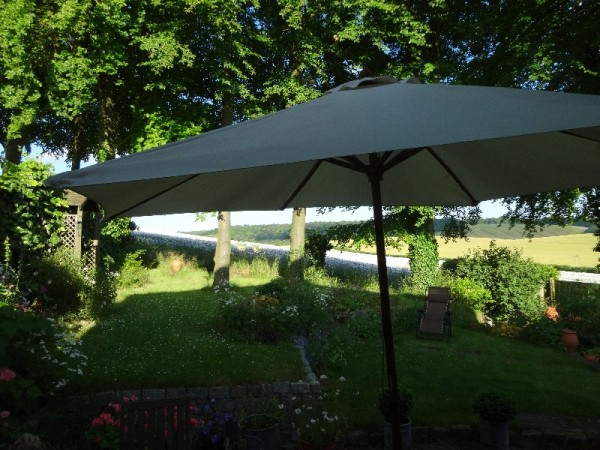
6,374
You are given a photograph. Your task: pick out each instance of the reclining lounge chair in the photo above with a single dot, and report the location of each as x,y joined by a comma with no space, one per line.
434,318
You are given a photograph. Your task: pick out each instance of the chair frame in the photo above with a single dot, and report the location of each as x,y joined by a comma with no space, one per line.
438,296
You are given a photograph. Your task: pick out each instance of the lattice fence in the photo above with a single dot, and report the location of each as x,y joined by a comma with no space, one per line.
69,236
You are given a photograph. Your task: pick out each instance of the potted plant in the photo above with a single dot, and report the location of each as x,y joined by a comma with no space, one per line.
569,338
259,424
495,409
592,354
214,428
405,405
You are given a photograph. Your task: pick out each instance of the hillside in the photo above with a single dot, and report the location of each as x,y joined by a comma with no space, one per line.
279,234
571,246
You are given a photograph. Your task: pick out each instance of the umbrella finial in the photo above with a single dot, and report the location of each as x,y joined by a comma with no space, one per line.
365,72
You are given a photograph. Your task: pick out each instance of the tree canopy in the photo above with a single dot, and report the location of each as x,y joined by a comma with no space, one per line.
87,78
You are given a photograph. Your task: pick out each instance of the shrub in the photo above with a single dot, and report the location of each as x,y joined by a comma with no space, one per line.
38,357
469,293
514,282
333,350
60,281
365,325
544,332
133,273
495,406
316,247
31,215
579,309
256,318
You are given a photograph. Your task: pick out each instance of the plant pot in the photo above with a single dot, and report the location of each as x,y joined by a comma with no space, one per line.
591,358
304,445
266,437
176,265
494,434
569,338
405,435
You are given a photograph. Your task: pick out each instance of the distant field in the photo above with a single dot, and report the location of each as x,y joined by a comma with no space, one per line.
568,246
571,250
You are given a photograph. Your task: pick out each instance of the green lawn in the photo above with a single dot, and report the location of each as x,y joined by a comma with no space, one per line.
163,335
445,377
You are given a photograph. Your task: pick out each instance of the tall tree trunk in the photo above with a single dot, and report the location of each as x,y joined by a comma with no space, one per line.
76,145
223,249
12,151
297,237
107,128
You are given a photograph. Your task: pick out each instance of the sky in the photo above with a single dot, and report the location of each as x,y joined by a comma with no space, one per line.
187,222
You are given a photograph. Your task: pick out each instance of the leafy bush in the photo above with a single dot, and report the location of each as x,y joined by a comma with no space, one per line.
316,247
494,405
38,357
423,254
365,325
256,318
31,215
579,309
333,350
133,273
544,332
60,281
469,293
514,282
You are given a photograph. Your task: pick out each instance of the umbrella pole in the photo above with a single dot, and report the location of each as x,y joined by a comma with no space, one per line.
386,312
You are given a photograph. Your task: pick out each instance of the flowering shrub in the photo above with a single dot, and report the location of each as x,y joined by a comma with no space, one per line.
214,428
316,422
40,357
106,428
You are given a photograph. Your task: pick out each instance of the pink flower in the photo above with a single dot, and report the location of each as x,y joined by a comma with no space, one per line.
107,418
116,407
6,374
4,414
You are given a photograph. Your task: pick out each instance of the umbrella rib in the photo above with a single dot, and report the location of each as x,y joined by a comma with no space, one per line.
349,162
401,157
151,198
453,175
306,179
571,133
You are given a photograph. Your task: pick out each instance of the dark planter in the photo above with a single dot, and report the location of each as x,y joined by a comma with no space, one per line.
266,437
405,435
494,434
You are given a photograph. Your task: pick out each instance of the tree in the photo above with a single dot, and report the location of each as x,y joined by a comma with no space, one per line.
296,254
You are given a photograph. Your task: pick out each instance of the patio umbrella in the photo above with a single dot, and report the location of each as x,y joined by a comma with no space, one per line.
374,141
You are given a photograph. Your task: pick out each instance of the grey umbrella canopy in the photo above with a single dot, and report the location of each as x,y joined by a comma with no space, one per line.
374,141
448,145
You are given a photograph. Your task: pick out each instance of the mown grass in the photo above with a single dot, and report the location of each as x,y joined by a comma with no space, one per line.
445,376
163,335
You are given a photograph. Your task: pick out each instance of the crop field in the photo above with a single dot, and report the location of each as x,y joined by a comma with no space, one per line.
574,250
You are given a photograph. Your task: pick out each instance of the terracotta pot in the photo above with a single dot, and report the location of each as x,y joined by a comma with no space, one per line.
176,265
591,358
569,338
